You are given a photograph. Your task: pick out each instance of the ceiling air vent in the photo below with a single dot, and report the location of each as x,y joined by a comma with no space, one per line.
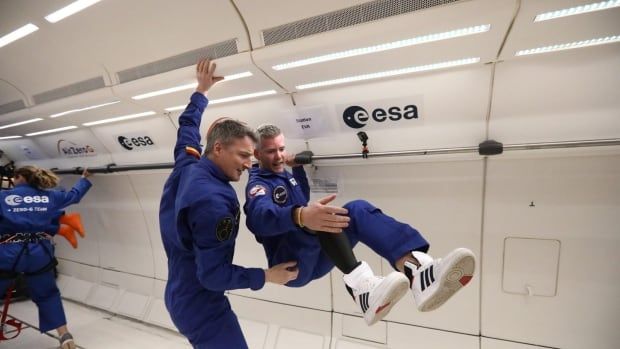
69,90
12,106
347,17
219,50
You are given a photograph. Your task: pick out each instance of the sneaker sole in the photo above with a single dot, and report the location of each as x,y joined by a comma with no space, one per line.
461,264
68,345
398,285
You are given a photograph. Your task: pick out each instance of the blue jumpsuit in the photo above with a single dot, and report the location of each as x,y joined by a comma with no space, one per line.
199,221
270,200
26,209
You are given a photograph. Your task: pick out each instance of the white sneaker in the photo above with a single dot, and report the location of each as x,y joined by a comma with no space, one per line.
375,295
66,341
435,281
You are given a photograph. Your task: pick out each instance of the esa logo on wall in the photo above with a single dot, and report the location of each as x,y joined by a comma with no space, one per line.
357,117
135,142
381,114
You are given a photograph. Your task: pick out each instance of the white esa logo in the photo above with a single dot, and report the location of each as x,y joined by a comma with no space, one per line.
15,200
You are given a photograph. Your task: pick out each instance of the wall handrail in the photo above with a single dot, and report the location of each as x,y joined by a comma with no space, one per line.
436,151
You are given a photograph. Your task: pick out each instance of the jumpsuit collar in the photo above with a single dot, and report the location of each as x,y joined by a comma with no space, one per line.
268,173
212,168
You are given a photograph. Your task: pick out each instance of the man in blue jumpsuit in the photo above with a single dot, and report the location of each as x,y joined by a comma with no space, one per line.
199,221
28,213
319,236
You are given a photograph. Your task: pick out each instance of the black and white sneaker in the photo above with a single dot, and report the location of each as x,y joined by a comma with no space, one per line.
375,295
436,280
66,341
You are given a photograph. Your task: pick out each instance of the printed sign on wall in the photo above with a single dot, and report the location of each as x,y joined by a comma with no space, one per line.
307,122
381,114
70,149
30,152
135,141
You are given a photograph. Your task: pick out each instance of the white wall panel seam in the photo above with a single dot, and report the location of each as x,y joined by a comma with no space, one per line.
146,225
481,253
110,269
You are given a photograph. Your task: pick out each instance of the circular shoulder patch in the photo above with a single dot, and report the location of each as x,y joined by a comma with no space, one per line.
279,194
224,229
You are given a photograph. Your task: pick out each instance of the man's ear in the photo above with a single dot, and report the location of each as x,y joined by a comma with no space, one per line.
217,148
256,153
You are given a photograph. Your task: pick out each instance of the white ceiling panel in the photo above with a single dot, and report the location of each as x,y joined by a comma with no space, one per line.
110,36
527,34
431,21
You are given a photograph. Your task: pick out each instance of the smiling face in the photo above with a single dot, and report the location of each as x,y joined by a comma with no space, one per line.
270,153
234,158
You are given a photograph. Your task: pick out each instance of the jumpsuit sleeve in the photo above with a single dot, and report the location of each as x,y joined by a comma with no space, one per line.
300,176
263,216
214,246
63,198
187,148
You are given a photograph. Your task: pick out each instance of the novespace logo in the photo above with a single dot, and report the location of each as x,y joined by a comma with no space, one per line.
356,116
70,149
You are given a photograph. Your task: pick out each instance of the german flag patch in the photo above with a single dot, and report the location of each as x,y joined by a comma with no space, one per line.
193,152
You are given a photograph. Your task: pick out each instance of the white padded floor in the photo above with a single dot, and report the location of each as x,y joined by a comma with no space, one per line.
92,329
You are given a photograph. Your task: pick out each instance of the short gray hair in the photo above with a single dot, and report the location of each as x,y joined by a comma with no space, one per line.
226,131
267,131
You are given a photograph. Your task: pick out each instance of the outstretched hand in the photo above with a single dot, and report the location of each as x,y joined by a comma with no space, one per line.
85,173
319,216
204,74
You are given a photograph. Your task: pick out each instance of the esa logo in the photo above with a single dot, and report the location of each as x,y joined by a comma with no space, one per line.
15,200
135,142
357,117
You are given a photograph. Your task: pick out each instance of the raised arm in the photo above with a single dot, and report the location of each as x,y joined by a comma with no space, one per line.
63,198
187,147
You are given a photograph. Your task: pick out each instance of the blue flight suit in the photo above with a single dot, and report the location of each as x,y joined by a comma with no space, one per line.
199,221
26,209
270,200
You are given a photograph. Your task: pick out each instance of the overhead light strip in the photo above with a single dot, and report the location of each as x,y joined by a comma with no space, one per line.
390,73
69,10
229,99
10,137
568,46
20,123
577,10
385,47
18,34
51,131
187,86
83,109
119,118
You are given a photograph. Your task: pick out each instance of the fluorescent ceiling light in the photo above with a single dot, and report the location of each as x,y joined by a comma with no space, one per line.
390,73
385,47
10,137
18,34
188,86
51,131
597,6
20,123
229,99
119,118
576,44
69,10
82,109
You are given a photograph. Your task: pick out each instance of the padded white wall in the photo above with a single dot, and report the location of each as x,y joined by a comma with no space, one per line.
575,197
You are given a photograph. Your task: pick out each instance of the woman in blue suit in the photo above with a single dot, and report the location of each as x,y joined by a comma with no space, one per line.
28,213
